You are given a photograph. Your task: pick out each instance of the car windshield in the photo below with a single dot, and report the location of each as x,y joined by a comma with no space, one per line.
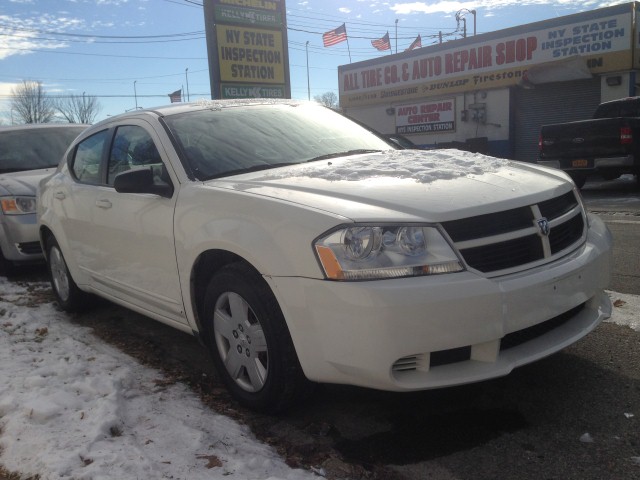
238,139
34,148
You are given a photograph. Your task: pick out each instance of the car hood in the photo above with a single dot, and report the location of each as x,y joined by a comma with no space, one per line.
407,185
23,183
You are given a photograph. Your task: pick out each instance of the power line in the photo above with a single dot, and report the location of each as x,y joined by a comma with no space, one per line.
86,35
102,54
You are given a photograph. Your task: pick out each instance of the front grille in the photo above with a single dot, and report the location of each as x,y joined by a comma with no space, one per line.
523,336
453,355
406,363
563,235
30,248
489,224
558,206
512,239
503,255
450,356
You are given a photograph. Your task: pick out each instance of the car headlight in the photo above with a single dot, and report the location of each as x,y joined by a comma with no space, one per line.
371,252
18,205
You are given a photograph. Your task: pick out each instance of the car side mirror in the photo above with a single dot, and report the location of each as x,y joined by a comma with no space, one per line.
140,180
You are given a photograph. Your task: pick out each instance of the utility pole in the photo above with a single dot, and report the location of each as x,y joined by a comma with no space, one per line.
396,35
186,71
135,93
308,82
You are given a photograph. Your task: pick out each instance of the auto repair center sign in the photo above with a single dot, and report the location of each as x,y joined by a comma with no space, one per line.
247,46
427,117
602,37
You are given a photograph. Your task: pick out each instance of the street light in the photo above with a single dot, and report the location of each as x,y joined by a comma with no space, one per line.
135,93
460,16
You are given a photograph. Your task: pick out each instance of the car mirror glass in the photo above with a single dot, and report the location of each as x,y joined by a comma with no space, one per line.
141,180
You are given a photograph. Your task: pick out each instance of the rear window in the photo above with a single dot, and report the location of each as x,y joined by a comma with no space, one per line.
34,148
625,108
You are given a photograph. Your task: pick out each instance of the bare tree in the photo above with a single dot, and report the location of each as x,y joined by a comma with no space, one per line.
31,103
78,108
328,99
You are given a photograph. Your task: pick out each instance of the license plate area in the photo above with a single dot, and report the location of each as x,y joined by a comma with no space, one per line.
580,163
545,300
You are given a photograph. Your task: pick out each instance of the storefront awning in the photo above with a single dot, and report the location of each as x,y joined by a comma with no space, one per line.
573,68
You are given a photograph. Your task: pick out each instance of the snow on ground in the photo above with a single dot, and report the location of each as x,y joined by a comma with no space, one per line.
74,407
626,310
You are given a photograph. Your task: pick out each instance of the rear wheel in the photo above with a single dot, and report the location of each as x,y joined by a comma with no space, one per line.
69,296
579,179
250,342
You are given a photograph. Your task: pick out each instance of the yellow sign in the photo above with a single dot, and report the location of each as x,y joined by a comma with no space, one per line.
250,55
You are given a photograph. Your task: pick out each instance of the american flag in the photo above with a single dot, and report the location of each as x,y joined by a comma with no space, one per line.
176,97
335,36
417,43
382,43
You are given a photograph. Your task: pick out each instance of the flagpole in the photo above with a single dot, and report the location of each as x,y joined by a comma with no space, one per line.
396,36
348,47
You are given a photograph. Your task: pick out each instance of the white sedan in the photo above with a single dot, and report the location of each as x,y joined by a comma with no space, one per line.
301,247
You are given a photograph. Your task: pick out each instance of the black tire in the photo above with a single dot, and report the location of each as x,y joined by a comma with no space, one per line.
250,342
7,268
579,179
69,296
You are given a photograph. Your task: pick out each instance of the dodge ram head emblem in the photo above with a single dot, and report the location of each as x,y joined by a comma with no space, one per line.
543,225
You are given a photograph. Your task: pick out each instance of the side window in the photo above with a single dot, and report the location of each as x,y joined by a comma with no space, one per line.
132,147
88,154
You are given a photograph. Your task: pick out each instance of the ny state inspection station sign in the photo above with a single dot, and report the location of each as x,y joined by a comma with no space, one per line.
247,46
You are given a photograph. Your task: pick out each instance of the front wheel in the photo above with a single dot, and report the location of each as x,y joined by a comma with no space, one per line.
6,267
67,293
250,342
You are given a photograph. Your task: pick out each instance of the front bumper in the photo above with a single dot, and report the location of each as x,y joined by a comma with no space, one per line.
427,332
626,162
19,239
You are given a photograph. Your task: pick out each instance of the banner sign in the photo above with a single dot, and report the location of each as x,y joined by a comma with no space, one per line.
229,14
250,55
602,37
236,90
247,46
427,117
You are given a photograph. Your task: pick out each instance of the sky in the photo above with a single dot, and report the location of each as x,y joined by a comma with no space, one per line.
133,53
91,411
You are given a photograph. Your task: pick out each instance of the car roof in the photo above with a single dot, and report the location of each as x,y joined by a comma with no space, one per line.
204,104
40,126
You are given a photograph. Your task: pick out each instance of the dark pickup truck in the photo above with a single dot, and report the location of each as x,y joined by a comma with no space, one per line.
608,144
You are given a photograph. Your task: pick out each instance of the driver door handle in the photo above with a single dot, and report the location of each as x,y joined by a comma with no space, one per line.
103,203
59,196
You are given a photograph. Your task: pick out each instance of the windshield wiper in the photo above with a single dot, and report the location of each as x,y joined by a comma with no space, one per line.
254,168
343,154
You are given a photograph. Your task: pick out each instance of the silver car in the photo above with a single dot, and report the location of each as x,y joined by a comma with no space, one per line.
28,153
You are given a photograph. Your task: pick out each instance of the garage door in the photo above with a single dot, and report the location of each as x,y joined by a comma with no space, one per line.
550,103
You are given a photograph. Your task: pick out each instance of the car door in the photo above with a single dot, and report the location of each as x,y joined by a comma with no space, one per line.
128,244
